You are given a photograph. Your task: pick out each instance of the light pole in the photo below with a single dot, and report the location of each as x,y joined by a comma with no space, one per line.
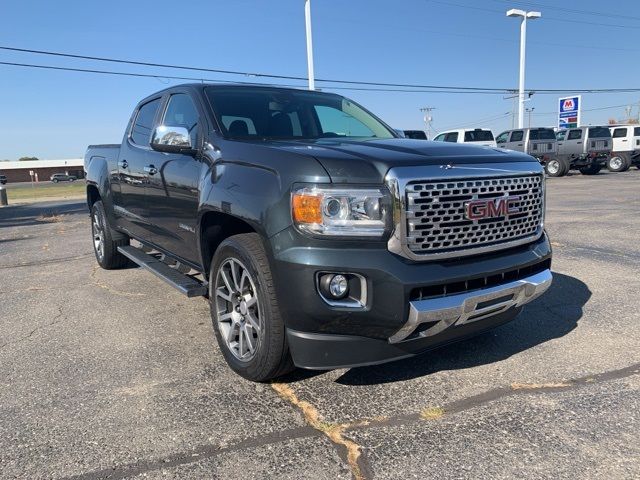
514,12
529,110
307,19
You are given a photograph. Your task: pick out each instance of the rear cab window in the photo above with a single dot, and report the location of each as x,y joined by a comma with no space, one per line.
599,132
451,137
478,136
542,134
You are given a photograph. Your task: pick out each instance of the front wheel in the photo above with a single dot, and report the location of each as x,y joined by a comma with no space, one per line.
55,180
556,167
244,310
618,162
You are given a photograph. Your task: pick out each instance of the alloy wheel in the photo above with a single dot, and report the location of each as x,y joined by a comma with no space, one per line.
238,309
616,163
553,166
98,235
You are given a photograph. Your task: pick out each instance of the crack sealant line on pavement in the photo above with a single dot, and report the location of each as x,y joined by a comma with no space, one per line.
434,413
334,432
118,472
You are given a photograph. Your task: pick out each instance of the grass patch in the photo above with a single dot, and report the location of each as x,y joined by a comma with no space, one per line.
75,189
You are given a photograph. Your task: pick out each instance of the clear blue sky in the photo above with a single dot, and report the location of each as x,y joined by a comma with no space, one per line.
53,114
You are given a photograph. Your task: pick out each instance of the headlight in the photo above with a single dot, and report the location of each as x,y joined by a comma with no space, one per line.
354,212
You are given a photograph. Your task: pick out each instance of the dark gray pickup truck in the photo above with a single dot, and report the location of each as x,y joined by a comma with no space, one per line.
321,238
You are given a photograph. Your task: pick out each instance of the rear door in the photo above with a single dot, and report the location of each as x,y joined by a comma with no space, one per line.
621,141
561,137
516,141
573,145
173,182
134,155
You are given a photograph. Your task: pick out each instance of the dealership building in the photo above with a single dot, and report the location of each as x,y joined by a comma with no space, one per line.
40,170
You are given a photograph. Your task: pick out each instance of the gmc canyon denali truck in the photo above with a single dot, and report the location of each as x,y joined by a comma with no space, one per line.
320,237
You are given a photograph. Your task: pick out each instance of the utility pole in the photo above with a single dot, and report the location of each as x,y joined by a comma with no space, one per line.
514,12
427,119
307,19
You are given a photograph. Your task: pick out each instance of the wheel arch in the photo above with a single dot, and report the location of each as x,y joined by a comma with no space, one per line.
214,228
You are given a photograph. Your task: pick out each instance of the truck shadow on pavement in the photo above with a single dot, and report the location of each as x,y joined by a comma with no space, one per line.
553,315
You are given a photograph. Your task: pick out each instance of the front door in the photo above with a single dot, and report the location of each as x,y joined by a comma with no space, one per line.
516,141
173,184
134,152
573,145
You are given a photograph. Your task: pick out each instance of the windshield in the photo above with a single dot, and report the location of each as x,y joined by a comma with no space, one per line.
291,115
542,134
599,132
478,136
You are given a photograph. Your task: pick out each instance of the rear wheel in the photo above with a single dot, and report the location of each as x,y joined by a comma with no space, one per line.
244,309
55,180
592,169
106,240
556,167
618,162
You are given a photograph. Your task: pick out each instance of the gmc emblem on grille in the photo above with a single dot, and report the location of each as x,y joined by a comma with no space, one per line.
491,208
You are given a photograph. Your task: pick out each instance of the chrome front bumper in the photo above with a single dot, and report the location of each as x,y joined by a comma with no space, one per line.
445,312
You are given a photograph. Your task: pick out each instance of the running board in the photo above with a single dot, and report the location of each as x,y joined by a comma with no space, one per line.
180,281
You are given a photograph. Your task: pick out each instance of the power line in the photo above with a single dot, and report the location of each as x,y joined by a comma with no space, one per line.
568,10
201,79
555,19
399,87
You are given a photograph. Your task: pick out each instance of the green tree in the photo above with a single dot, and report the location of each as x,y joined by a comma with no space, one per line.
27,159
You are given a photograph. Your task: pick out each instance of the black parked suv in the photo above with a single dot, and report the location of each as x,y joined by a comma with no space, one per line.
321,238
3,179
63,177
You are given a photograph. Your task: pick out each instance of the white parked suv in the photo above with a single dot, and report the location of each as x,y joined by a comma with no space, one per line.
477,136
626,147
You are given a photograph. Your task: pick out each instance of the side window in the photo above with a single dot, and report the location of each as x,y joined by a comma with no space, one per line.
336,123
439,138
619,132
636,132
502,138
517,136
561,134
181,112
142,125
451,137
574,135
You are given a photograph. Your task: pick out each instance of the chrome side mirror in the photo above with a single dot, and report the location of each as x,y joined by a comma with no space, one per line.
171,139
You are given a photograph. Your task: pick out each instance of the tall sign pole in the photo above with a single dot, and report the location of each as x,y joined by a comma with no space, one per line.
307,18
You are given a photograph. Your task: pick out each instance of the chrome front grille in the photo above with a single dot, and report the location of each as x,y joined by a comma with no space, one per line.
436,216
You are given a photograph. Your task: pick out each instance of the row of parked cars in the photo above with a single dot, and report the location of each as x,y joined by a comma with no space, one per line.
587,149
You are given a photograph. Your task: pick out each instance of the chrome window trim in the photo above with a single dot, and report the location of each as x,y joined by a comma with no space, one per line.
397,179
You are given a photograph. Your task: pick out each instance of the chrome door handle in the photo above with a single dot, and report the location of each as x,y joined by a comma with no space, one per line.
123,164
151,170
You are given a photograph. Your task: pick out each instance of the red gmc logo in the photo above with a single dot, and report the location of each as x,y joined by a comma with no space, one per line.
491,208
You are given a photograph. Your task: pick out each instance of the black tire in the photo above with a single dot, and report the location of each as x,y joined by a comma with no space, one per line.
556,167
271,356
618,162
592,169
109,258
55,180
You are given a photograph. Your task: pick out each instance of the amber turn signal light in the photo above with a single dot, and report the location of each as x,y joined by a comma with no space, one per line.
307,208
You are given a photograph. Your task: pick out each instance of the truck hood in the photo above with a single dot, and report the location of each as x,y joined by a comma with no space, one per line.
368,161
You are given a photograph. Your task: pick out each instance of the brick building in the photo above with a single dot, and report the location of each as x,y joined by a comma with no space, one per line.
20,171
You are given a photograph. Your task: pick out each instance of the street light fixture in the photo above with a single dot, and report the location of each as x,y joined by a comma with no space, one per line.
514,12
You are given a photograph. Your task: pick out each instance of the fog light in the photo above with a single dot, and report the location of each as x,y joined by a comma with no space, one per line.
334,287
338,286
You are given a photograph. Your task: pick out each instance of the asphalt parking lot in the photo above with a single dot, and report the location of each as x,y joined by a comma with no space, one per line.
112,374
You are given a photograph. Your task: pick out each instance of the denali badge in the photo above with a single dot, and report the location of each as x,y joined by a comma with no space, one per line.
491,208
